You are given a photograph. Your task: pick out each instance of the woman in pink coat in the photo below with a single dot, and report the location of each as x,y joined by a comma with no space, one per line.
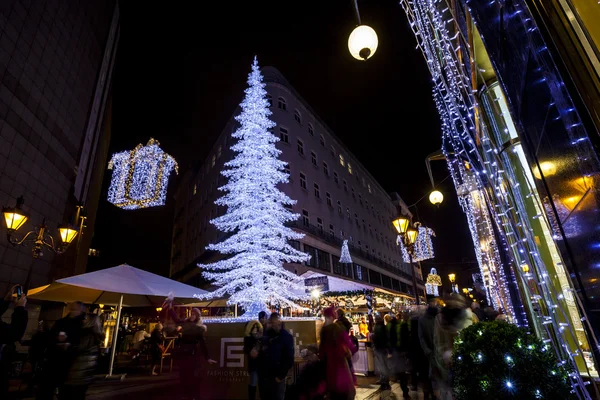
335,350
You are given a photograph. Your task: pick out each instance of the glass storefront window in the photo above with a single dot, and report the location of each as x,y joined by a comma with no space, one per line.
513,180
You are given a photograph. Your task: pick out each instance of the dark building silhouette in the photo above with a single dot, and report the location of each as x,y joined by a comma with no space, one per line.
56,63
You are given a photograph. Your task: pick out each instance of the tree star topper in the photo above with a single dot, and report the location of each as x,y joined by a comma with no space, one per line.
140,176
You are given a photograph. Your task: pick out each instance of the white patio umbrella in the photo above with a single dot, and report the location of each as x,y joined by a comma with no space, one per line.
122,285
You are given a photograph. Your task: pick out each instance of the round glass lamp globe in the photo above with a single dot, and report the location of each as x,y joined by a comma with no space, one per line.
362,42
436,197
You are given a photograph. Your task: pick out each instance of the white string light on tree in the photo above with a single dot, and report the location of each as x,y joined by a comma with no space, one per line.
345,255
140,176
252,274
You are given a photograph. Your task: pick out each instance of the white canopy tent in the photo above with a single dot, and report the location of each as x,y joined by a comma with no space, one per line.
122,285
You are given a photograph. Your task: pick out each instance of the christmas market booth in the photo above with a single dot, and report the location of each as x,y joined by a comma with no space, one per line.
209,309
358,302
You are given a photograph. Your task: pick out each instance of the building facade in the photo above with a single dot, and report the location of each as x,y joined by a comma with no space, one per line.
336,199
516,86
55,80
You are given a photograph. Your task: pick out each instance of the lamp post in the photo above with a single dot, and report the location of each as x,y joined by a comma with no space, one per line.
408,236
454,286
15,218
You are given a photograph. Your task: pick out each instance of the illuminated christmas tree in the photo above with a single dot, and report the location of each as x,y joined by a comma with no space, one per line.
252,272
345,255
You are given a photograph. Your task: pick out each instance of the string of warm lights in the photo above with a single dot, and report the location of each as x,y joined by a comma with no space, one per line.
457,105
252,274
140,177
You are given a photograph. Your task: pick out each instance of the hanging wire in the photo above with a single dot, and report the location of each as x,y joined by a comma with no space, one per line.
427,194
356,11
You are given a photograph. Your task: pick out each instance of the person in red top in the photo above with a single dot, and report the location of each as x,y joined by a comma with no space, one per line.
335,350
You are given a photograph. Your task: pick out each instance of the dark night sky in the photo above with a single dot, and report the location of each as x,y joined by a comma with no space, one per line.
181,71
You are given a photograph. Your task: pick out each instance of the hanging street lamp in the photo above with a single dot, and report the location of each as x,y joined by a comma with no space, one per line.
15,218
363,40
436,197
409,237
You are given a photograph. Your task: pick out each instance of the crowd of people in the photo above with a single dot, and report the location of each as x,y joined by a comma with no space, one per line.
417,346
413,348
410,347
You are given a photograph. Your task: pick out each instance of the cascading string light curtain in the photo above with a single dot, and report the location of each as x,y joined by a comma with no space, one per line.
457,105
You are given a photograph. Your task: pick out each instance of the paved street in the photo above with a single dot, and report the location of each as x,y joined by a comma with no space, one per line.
166,387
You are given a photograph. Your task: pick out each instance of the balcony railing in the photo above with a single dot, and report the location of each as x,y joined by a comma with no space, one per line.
354,251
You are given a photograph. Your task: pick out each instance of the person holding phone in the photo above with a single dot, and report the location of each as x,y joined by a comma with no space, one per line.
11,332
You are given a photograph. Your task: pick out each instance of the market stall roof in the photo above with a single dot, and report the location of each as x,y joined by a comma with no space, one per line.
338,284
207,303
138,287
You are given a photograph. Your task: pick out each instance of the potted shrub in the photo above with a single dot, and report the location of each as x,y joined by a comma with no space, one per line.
497,360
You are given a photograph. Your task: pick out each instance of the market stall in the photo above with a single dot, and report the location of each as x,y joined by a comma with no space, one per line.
358,302
120,286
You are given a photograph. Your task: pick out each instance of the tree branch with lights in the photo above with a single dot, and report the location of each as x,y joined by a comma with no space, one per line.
252,274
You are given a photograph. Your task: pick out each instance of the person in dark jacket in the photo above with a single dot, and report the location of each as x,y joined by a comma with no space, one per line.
379,339
63,336
252,346
415,353
37,353
84,360
426,327
476,309
263,319
13,332
370,323
277,358
10,333
398,338
156,340
192,351
343,321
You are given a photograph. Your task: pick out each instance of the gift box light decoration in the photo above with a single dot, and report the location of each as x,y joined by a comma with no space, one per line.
434,281
423,247
140,176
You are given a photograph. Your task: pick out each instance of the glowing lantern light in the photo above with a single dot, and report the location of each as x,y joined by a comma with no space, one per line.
140,176
67,234
436,197
362,42
548,169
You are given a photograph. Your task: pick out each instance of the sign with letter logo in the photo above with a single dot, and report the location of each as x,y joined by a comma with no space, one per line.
232,352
